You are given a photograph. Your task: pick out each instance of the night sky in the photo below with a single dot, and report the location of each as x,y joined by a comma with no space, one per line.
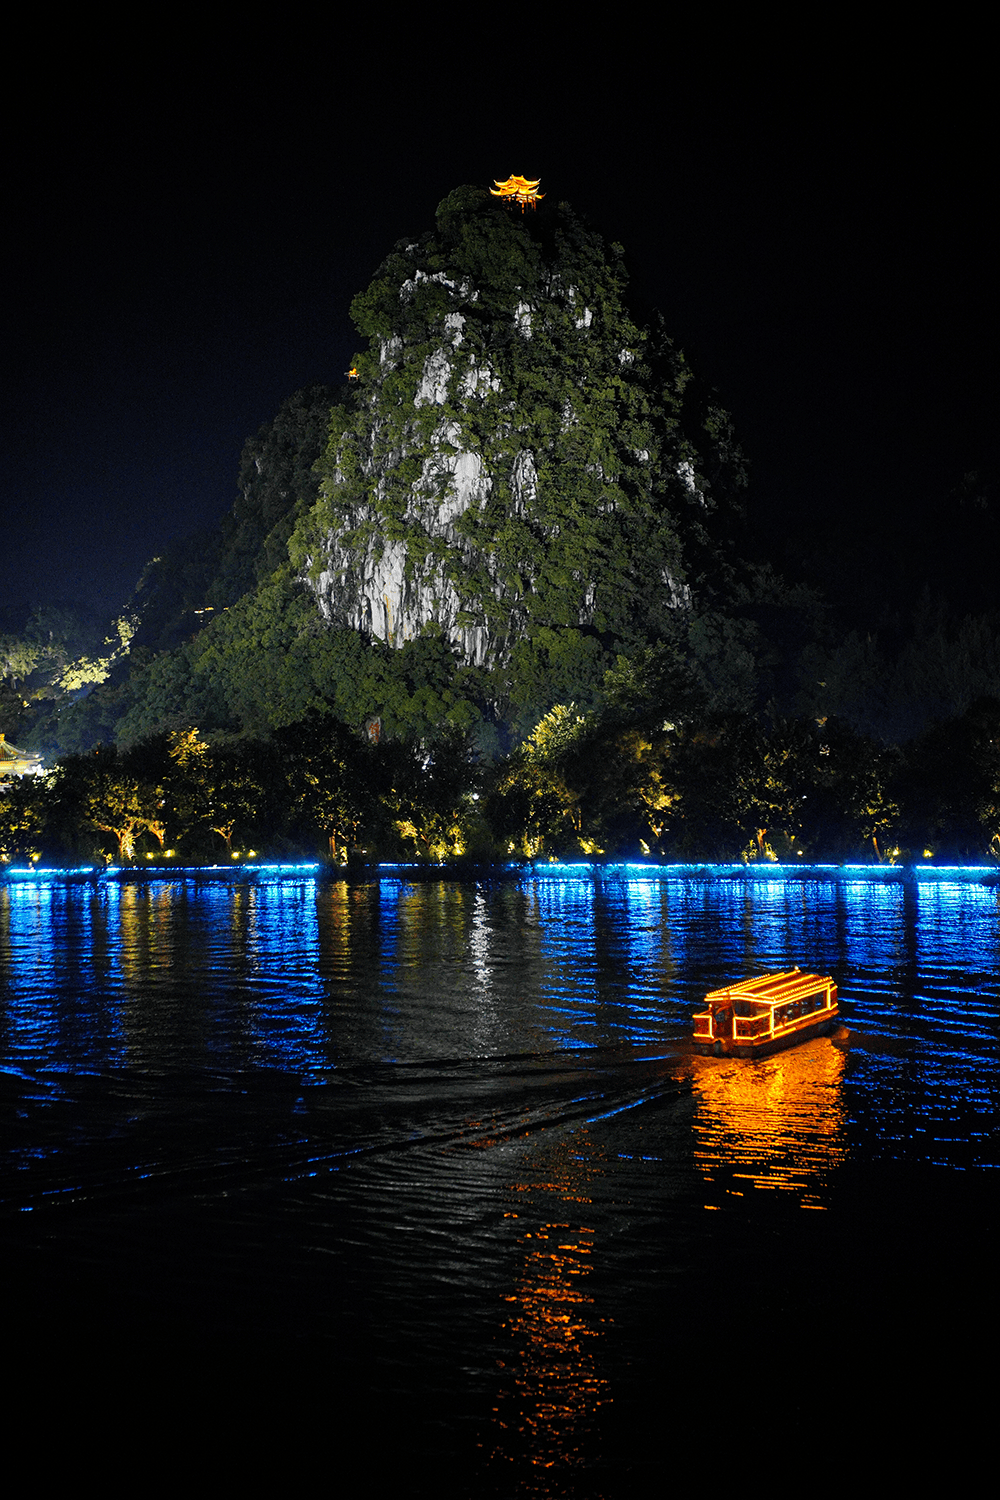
184,241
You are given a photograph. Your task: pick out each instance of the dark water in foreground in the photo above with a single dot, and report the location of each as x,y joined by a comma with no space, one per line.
425,1174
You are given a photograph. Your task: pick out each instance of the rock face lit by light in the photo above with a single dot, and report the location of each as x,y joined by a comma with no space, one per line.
393,597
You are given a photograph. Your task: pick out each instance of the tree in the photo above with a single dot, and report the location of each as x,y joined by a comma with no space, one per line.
430,794
101,791
739,789
23,818
949,786
851,811
323,775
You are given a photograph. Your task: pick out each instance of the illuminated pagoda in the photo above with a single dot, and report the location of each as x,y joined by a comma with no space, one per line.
517,190
15,762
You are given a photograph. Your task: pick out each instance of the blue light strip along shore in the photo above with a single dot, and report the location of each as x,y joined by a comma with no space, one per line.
543,870
33,873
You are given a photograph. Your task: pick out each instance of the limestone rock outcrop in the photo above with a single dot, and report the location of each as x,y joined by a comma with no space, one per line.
515,462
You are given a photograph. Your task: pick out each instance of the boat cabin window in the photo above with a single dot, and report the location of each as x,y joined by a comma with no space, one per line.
783,1014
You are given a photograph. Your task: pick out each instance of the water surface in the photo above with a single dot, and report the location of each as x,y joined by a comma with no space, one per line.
439,1152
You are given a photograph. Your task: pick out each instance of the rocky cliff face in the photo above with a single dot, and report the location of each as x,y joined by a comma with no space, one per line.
514,467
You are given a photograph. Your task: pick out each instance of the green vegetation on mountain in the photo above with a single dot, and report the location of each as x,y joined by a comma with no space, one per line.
521,486
495,596
522,469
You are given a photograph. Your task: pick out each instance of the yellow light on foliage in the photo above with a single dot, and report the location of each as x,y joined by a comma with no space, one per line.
517,190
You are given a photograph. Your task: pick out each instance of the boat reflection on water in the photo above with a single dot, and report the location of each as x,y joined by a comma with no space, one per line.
780,1124
552,1385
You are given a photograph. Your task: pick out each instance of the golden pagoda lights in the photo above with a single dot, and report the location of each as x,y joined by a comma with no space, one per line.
517,190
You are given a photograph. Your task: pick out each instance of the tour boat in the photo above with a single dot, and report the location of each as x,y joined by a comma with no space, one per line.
763,1015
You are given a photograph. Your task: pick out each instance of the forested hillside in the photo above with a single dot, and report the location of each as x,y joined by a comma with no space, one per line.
518,486
504,573
523,472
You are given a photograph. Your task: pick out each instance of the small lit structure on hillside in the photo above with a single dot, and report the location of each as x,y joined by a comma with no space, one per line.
517,190
763,1015
14,762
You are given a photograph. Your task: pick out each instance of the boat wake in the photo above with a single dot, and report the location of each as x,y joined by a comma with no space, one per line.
95,1139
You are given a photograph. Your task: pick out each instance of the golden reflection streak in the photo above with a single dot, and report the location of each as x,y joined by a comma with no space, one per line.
553,1386
145,917
777,1123
334,913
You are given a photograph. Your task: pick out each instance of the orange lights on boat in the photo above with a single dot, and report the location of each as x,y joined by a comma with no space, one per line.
757,1016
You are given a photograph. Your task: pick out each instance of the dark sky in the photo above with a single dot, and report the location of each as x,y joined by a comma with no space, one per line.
184,240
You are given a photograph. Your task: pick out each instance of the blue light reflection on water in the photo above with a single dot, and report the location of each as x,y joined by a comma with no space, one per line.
256,969
306,978
137,974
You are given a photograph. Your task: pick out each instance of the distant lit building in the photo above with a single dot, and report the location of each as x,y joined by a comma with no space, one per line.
14,762
517,190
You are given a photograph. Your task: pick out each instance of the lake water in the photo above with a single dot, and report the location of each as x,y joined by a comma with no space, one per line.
425,1171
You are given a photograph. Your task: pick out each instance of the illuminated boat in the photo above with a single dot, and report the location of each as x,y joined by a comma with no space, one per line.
763,1015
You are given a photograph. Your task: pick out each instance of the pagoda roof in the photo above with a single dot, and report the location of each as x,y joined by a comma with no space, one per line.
521,190
17,762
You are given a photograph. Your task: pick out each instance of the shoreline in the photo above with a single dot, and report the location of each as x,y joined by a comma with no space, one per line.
594,871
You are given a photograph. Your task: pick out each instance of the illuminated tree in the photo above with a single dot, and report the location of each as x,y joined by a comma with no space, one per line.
23,817
428,795
737,789
235,794
100,791
18,658
321,777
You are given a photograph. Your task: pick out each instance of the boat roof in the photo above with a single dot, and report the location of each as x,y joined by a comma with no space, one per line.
773,989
